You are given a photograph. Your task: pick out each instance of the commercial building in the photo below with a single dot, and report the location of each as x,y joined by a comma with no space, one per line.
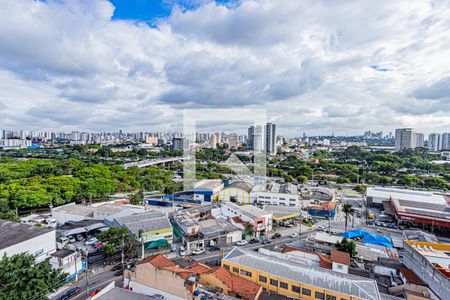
207,190
255,138
420,140
179,143
325,210
405,138
270,139
430,262
434,142
15,143
282,213
296,280
197,227
260,219
276,194
17,238
233,141
151,228
69,261
236,192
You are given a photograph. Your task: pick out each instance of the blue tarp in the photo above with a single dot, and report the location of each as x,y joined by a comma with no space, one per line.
368,237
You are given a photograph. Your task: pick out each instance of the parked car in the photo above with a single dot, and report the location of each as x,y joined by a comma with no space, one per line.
91,241
182,251
266,241
98,245
158,296
254,241
80,237
117,267
276,235
119,272
294,235
242,243
69,293
72,239
198,251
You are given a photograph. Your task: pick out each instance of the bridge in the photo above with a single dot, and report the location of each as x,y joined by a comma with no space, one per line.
153,162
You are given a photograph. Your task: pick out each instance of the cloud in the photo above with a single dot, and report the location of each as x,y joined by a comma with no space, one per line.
319,66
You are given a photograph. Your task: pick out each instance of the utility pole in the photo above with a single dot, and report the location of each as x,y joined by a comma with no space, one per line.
123,256
87,274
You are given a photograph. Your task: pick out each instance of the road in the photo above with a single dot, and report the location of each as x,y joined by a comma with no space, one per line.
96,281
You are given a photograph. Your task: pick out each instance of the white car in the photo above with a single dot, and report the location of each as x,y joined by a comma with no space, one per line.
72,239
198,251
293,235
182,251
242,243
91,241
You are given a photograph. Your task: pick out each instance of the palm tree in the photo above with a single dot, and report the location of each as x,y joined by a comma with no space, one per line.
249,230
348,210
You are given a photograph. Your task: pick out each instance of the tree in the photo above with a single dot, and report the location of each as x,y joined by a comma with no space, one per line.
408,180
22,278
114,238
435,182
361,188
348,246
342,180
302,179
136,198
348,211
249,230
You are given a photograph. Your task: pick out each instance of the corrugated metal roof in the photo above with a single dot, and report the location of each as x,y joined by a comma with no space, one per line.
343,283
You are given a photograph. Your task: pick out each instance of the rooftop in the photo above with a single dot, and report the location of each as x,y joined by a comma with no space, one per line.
63,253
281,212
13,233
248,210
239,285
340,257
403,194
117,293
146,221
241,185
343,283
208,184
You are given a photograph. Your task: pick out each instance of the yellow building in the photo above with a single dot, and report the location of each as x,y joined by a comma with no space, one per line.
298,281
236,192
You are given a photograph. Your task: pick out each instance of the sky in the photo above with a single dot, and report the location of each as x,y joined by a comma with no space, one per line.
316,66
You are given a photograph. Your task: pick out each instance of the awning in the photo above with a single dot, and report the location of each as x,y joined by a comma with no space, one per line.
157,244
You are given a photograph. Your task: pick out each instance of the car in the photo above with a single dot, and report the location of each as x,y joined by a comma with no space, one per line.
98,245
72,239
198,251
119,272
80,237
254,241
174,248
117,267
182,251
293,235
158,296
276,235
214,248
69,293
266,241
242,243
93,293
378,223
91,241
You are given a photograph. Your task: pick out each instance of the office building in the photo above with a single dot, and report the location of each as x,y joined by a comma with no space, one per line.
420,140
270,139
297,280
445,141
213,141
434,142
285,194
179,143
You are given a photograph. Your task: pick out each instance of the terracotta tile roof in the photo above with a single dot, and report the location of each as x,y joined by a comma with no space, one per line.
159,261
237,284
411,277
340,257
199,268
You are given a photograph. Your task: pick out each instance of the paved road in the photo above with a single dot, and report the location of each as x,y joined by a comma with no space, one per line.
96,281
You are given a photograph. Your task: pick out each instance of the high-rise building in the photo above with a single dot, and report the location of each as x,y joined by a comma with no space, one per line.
255,138
213,141
420,140
445,141
179,143
232,141
405,138
270,138
434,142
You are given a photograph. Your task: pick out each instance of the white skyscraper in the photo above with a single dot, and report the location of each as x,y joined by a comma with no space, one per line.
405,138
420,140
434,142
255,138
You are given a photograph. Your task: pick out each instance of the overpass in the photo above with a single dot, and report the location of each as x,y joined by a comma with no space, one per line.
153,162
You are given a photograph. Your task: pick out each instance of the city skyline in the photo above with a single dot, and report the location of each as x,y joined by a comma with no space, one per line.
347,66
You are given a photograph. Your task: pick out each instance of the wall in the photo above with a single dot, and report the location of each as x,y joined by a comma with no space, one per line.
275,198
44,244
241,196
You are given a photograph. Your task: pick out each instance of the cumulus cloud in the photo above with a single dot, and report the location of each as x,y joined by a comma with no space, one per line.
319,66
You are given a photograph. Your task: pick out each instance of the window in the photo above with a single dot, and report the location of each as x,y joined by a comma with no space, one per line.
306,292
226,267
320,295
235,270
330,297
295,289
246,273
273,282
339,267
283,285
262,279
